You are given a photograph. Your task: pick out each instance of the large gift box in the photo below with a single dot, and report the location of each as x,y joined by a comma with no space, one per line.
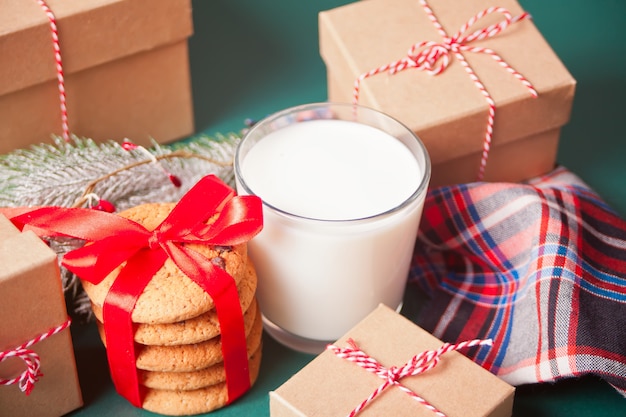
34,327
125,65
488,74
334,384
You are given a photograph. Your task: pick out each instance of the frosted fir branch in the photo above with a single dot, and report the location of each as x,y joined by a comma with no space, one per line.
56,175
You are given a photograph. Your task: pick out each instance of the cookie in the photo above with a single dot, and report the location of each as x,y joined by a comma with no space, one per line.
196,329
196,356
171,296
189,402
191,357
185,381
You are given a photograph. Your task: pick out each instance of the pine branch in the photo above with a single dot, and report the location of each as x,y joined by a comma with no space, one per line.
58,175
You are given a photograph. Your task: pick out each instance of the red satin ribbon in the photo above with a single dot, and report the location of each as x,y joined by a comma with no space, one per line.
114,240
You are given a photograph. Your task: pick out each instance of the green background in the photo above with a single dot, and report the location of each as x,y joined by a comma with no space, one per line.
251,58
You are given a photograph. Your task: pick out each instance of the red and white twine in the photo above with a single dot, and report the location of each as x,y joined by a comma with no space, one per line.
59,68
434,58
27,379
418,364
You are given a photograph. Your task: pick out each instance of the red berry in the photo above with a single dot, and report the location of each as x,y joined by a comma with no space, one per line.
175,180
128,146
104,205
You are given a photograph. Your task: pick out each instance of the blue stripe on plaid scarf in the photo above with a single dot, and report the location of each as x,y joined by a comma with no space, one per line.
601,291
505,335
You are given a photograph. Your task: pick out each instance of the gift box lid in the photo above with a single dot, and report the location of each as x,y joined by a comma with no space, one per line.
362,36
330,385
91,32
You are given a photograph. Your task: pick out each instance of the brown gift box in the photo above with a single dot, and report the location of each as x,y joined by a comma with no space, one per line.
333,386
447,111
32,303
126,71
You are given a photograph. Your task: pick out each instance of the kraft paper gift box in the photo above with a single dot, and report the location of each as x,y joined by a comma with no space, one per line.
333,386
125,63
32,304
448,111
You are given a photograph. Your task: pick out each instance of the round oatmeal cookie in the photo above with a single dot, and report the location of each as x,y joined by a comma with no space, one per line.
185,381
190,402
196,329
191,357
171,296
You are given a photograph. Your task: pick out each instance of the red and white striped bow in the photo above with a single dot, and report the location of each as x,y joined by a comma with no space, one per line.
418,364
434,57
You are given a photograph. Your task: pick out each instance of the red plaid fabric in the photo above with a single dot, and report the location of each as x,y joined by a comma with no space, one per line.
539,267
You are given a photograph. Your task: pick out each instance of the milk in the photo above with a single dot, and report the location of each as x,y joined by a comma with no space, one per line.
342,204
331,170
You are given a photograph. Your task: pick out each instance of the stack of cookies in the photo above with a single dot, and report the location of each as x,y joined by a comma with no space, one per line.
179,358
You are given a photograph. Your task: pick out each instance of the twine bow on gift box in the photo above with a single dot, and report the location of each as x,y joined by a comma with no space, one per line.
434,57
114,241
418,364
27,379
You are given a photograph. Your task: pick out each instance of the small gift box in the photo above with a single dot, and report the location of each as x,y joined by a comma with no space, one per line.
124,65
387,366
477,83
38,374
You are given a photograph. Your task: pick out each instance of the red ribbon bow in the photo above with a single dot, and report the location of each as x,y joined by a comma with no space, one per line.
434,58
418,364
115,240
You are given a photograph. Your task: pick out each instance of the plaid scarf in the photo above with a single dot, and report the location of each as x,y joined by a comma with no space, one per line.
539,267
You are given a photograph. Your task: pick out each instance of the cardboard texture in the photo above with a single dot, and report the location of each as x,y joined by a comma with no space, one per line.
447,111
31,303
332,386
126,71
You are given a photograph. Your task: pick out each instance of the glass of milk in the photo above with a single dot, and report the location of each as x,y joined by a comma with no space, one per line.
343,189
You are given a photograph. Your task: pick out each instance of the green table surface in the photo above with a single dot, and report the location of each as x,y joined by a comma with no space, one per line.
250,58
